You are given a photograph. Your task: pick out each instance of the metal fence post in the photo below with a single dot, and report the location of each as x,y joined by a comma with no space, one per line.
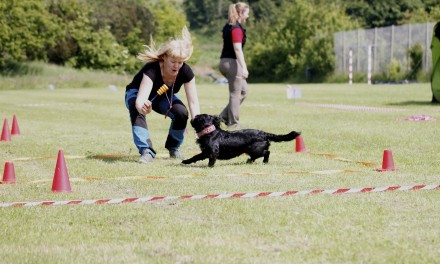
392,44
369,65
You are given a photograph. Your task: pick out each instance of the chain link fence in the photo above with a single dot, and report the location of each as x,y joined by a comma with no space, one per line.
387,44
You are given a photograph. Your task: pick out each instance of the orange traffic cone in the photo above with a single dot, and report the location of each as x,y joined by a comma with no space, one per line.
15,129
9,173
61,181
388,162
300,145
6,136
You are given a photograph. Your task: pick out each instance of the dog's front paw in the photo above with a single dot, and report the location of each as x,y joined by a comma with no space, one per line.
187,161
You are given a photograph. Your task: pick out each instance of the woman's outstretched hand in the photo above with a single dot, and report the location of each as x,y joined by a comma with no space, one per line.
144,108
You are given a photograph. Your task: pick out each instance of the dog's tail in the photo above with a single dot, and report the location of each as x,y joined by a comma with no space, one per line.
279,138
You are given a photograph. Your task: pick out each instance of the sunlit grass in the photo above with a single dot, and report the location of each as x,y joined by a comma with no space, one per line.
388,227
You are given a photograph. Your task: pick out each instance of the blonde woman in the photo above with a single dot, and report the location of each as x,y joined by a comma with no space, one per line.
232,62
165,65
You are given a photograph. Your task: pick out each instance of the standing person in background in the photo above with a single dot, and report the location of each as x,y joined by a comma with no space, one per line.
232,62
164,66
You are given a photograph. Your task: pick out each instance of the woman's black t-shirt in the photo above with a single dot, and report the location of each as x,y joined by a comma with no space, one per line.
152,70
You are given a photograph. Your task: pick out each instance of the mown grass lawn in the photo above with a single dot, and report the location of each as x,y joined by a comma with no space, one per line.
390,227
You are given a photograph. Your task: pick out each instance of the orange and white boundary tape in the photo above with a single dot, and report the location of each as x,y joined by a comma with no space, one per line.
224,196
128,156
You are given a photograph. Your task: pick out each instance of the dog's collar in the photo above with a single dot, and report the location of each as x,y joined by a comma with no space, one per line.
206,131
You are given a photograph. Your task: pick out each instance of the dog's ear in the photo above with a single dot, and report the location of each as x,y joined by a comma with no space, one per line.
192,122
216,121
197,122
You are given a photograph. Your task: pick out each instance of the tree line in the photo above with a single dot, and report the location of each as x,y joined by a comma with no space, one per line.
96,34
288,39
293,39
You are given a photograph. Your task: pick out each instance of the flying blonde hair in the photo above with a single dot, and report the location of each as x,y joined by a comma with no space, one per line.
235,10
176,48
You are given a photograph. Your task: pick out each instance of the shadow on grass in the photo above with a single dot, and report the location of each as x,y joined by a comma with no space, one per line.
219,163
408,103
112,158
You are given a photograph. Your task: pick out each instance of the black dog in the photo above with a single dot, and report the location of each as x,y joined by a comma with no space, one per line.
216,143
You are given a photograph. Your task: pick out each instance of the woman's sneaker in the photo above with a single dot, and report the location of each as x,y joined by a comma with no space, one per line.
176,154
146,157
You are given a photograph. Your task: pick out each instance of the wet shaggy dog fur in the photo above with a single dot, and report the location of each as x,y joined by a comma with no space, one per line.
216,143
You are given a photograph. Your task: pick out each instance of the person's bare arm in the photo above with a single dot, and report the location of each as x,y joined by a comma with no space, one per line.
240,58
143,105
193,99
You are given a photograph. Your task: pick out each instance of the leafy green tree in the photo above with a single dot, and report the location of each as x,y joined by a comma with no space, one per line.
27,30
134,22
379,13
130,21
429,13
122,17
299,38
416,55
97,34
207,15
83,46
168,20
98,50
266,9
73,17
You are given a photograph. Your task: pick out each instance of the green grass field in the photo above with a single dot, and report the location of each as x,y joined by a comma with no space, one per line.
383,227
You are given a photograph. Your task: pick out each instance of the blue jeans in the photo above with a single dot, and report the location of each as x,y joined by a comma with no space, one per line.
141,136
